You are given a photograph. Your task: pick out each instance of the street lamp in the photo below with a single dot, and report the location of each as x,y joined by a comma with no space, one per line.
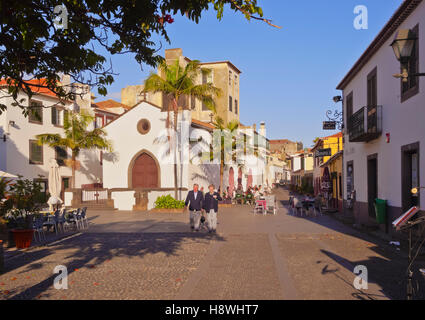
403,45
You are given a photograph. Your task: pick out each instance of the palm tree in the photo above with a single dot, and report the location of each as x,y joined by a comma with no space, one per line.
227,142
76,137
179,83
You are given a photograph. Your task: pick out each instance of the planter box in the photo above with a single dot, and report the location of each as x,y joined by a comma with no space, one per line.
225,205
166,211
23,238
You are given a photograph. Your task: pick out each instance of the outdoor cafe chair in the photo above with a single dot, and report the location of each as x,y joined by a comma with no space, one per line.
83,218
297,206
52,221
260,206
271,204
72,218
62,223
37,225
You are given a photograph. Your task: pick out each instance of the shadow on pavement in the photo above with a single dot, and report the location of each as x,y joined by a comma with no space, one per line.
92,248
389,276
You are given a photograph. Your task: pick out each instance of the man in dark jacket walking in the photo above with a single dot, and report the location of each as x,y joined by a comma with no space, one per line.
195,200
210,206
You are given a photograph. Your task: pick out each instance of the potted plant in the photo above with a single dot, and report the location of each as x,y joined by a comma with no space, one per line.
23,200
20,221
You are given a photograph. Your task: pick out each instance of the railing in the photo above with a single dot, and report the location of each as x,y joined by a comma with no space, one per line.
94,195
366,124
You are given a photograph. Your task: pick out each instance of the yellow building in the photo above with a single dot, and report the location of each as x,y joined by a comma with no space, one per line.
335,144
334,165
224,75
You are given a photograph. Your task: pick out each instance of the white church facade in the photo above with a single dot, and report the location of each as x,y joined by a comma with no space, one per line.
141,166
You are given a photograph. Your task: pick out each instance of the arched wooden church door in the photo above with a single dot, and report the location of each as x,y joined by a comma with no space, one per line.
145,172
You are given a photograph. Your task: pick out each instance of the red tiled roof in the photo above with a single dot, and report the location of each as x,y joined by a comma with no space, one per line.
34,87
107,104
336,135
203,124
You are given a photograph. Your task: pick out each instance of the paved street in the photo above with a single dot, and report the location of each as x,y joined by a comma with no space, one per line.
139,256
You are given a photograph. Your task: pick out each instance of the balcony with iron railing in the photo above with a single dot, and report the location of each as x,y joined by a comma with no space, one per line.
366,124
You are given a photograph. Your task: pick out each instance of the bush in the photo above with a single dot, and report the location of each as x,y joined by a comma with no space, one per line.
168,202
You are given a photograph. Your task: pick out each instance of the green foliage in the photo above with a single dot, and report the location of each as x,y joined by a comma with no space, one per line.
177,81
168,202
32,47
26,195
76,137
5,203
180,82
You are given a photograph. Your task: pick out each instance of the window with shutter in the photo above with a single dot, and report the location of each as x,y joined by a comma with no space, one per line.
36,153
372,92
35,112
54,117
230,103
57,116
236,106
61,155
411,87
349,108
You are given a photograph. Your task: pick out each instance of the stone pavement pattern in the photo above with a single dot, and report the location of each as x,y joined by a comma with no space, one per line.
140,256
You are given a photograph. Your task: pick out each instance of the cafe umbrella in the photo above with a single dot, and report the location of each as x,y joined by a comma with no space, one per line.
54,184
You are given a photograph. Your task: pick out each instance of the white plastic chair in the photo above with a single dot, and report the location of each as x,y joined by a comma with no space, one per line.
259,208
271,204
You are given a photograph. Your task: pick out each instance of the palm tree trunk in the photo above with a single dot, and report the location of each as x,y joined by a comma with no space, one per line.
175,155
73,170
221,174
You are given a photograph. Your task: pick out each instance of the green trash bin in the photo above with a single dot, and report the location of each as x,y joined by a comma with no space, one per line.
381,211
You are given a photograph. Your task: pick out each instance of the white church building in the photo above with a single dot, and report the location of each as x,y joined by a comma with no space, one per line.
141,166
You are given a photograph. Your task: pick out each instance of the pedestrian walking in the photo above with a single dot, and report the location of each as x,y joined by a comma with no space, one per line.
210,206
195,200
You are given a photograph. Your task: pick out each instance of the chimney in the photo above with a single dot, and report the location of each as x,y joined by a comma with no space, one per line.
66,82
173,54
262,129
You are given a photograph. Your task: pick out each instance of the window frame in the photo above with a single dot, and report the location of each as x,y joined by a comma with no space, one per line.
61,161
412,90
372,93
39,105
30,160
58,111
349,107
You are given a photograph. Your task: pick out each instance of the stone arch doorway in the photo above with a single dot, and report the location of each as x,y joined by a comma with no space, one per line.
144,171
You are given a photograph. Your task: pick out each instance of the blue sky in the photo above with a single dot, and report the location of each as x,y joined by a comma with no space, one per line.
289,75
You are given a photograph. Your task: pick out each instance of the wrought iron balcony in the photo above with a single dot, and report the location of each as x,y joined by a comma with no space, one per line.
366,124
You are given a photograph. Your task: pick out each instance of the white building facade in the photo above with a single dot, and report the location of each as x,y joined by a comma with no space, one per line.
384,123
141,166
19,152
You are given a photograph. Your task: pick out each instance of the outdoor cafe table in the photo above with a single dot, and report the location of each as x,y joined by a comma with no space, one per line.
262,202
46,212
308,203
